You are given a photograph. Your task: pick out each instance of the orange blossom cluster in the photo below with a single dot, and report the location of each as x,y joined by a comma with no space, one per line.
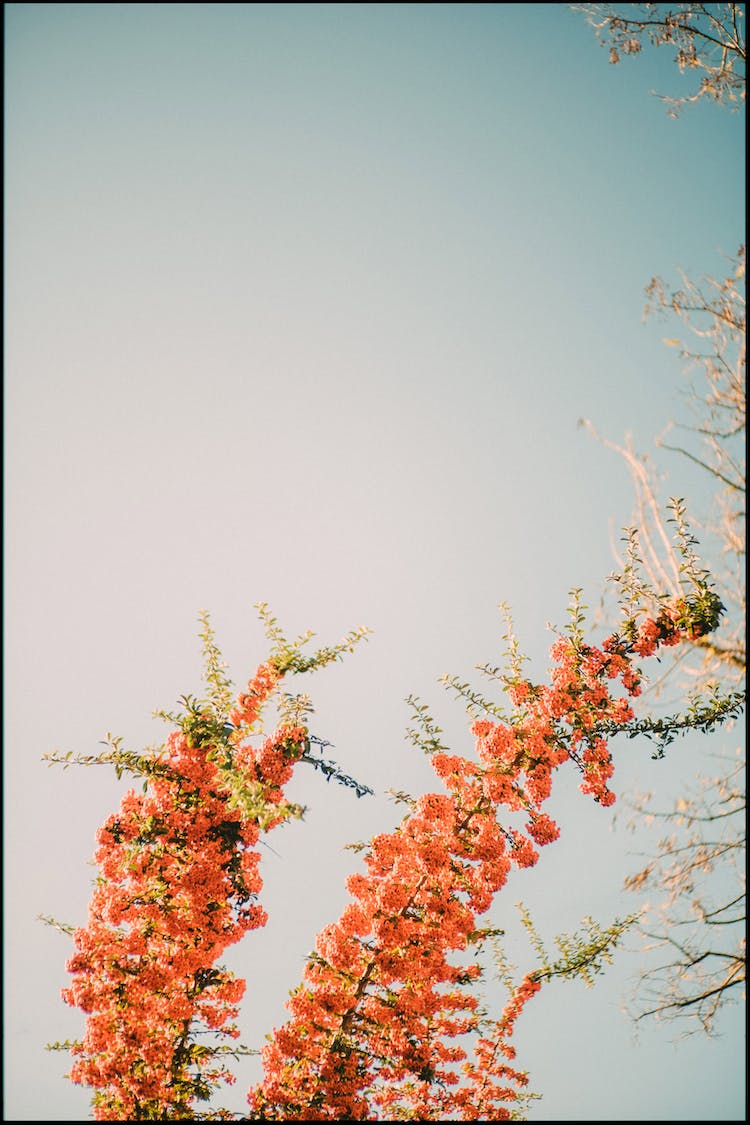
178,883
375,1026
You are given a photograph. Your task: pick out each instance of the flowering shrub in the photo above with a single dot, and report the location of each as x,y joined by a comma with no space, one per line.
178,884
385,1024
382,998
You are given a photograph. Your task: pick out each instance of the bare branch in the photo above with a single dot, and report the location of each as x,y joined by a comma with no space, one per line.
708,38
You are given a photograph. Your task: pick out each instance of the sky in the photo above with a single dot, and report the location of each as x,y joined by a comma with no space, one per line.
303,305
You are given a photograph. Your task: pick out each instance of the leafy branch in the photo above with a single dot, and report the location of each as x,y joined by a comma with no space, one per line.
701,715
330,769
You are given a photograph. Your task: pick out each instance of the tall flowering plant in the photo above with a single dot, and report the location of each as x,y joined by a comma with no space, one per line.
386,1023
178,884
378,1023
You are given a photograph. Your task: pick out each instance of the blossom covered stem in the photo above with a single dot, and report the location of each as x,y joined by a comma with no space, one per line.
178,884
374,1024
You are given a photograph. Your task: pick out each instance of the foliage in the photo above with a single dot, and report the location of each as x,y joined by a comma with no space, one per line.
708,39
583,954
386,1014
700,953
680,931
178,883
698,927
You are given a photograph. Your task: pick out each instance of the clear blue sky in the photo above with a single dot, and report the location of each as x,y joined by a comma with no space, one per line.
303,304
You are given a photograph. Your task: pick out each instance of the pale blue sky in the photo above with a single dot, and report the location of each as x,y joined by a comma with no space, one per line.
303,304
